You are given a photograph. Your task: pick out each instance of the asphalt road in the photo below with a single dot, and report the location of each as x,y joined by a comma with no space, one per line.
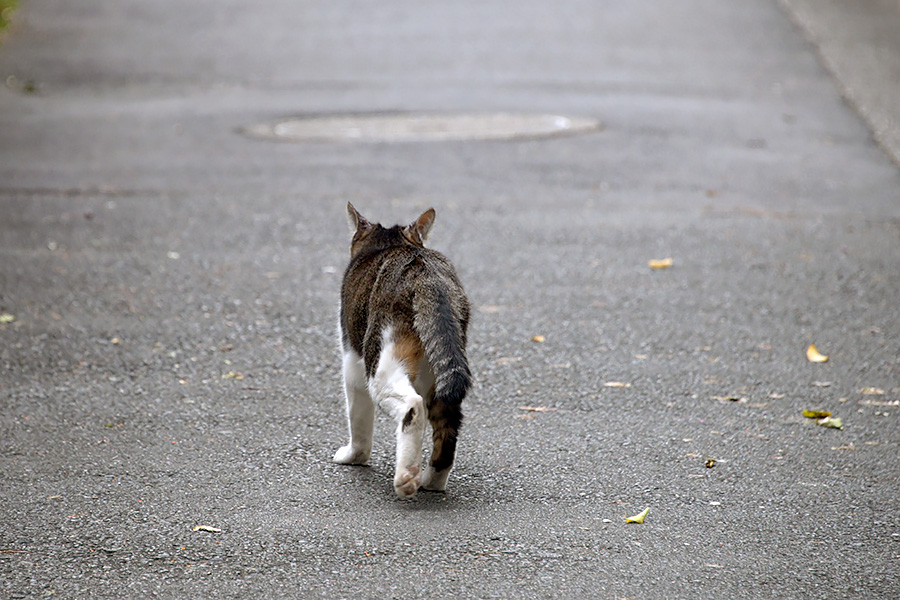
168,292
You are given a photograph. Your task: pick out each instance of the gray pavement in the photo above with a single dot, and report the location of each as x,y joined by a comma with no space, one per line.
173,362
859,42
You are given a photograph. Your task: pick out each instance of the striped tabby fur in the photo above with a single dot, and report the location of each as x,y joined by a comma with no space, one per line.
403,335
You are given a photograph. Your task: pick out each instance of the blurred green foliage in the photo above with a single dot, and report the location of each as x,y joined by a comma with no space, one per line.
6,9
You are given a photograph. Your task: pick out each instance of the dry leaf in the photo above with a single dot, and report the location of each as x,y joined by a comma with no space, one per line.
508,360
7,318
538,338
813,355
833,422
663,263
616,384
233,375
729,398
816,414
537,409
490,308
872,391
880,402
638,518
207,528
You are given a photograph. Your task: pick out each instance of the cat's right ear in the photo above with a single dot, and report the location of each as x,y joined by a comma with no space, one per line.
355,220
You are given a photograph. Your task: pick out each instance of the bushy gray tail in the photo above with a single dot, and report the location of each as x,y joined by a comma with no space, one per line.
442,331
444,337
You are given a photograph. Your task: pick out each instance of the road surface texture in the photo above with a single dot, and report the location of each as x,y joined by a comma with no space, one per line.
169,285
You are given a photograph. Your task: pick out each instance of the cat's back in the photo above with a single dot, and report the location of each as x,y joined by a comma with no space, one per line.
387,276
383,286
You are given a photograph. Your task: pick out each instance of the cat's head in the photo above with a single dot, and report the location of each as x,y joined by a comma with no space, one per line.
367,235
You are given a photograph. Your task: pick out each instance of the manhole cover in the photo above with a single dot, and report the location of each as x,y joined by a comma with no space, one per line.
407,127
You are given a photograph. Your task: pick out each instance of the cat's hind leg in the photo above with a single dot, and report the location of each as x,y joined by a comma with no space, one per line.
360,413
392,389
445,421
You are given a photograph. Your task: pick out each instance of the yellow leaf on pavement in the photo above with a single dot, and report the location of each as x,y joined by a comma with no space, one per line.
638,518
816,414
661,263
813,354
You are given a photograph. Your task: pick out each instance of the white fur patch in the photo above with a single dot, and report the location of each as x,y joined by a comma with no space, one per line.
393,391
360,412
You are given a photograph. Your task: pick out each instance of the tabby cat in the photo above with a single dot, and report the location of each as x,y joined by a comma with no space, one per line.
403,325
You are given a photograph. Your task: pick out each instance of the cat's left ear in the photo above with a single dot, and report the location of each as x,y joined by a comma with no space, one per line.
417,231
355,220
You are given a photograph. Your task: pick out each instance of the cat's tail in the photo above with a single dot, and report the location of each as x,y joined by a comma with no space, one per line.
442,329
442,332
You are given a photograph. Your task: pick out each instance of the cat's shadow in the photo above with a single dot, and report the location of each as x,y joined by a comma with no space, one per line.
376,480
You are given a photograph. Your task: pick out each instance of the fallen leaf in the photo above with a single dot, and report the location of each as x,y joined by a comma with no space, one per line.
537,409
616,384
729,398
816,414
233,375
662,263
207,528
833,422
508,360
813,355
538,338
7,318
821,384
490,308
872,391
638,518
880,402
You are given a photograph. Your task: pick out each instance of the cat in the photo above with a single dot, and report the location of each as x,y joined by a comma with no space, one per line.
403,321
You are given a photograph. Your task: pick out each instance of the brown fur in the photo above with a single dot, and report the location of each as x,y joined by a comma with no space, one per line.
409,351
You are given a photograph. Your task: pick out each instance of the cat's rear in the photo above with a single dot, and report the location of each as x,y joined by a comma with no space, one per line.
403,325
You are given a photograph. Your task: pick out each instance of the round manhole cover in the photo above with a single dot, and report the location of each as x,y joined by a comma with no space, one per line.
406,127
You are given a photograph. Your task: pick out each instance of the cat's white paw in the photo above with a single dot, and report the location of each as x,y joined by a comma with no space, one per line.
406,481
348,455
435,481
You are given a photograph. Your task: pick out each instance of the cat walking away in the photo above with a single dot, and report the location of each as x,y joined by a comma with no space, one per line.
403,336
